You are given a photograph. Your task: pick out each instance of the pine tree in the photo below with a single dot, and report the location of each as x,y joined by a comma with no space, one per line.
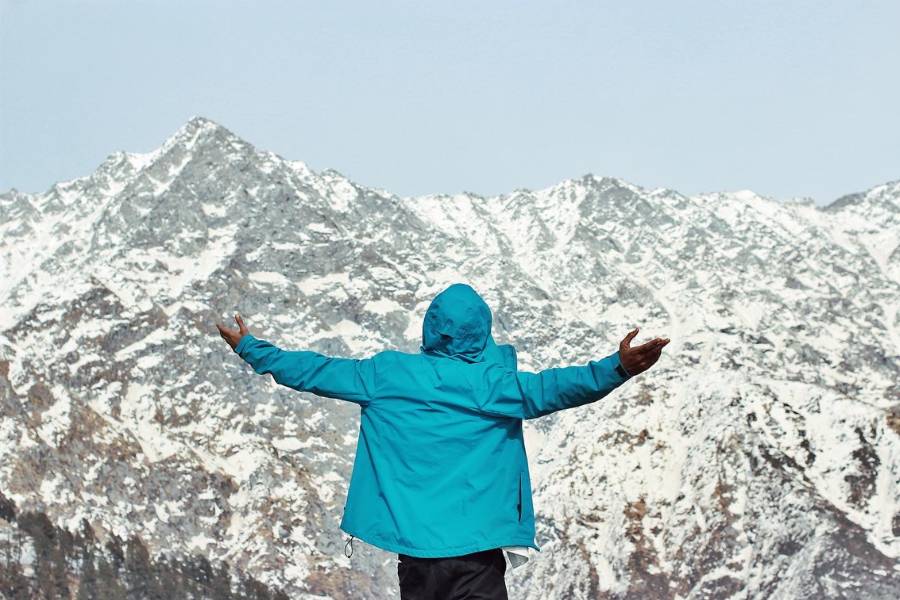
15,585
220,587
42,533
141,580
7,508
170,580
58,573
88,588
85,536
109,587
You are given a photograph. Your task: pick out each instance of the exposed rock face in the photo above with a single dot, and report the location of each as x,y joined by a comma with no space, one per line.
759,459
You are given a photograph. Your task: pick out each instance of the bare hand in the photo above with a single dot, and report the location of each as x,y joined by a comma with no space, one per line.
233,336
638,359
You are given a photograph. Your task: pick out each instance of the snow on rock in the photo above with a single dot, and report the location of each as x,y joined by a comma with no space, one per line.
760,458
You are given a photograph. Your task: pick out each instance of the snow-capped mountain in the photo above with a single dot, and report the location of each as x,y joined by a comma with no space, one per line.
760,458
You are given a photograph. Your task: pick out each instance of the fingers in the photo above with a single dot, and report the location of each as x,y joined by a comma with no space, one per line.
626,341
649,358
654,354
241,327
225,333
651,346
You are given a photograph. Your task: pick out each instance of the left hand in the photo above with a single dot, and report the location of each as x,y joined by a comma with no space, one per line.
637,359
233,336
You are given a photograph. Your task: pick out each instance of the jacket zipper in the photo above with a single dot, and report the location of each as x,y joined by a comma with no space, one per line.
519,503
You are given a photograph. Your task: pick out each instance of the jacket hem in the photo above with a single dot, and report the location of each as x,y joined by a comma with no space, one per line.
444,552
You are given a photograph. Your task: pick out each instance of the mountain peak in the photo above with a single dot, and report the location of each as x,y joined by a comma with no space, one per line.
200,122
200,129
882,196
845,200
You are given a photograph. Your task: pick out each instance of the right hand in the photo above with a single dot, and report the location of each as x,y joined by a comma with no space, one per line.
637,359
233,336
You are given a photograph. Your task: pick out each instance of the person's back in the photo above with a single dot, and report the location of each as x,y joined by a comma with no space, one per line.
440,468
436,474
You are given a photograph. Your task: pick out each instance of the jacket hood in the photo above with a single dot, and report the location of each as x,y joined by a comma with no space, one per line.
457,325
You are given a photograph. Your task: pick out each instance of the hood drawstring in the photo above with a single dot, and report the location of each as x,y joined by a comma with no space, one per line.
349,543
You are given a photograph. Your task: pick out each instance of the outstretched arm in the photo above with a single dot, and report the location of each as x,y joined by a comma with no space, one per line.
342,378
528,395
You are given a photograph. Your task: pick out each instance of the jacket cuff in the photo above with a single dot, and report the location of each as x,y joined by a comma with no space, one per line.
620,370
242,344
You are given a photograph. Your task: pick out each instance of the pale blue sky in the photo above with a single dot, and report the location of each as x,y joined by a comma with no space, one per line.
785,98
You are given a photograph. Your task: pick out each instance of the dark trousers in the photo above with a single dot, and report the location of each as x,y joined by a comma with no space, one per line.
475,576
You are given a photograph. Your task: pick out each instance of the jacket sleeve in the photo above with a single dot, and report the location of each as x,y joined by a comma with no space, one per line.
526,395
342,378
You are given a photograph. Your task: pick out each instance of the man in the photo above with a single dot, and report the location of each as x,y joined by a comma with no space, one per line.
440,475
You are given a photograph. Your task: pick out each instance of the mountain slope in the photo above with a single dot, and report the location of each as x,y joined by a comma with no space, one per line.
760,458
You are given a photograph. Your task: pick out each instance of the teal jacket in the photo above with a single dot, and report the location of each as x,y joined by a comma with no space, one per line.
440,466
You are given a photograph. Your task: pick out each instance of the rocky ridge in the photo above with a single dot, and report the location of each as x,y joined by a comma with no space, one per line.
759,459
